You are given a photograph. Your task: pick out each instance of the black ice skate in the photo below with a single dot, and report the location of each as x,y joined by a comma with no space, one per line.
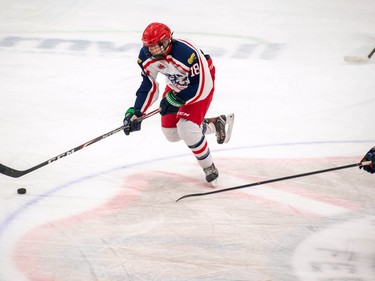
223,125
211,173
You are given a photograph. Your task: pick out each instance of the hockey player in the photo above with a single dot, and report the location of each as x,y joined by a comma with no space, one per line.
190,76
370,156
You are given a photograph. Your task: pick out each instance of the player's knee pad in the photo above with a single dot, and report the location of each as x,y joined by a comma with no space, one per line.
171,134
189,131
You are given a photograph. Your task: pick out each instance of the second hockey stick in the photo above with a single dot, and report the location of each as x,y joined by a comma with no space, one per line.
275,180
18,173
359,58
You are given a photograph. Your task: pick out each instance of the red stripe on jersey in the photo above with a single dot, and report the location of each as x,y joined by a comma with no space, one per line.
153,90
150,96
202,74
148,62
183,67
203,78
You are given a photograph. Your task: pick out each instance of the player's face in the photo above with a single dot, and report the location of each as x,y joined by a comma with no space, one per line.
156,50
160,49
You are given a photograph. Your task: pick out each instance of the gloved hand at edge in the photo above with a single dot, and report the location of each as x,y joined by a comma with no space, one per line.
130,121
170,104
370,156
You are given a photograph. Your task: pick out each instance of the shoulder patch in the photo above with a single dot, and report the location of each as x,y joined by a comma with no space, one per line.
192,58
139,61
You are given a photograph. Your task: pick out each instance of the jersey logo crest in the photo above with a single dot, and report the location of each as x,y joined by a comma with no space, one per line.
180,81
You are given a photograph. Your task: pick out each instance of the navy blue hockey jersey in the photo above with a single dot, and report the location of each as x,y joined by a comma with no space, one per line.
186,71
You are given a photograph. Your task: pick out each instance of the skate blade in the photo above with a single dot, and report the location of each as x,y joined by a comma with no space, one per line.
229,123
214,183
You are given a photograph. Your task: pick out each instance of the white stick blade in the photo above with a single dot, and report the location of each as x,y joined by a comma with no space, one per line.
355,59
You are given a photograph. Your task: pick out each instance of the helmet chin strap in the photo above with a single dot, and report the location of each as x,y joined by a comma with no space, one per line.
168,48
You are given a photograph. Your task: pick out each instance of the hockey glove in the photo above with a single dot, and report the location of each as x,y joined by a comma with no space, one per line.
170,103
130,121
370,156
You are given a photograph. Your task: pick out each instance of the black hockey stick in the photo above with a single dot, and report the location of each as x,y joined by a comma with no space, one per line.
359,58
17,173
275,180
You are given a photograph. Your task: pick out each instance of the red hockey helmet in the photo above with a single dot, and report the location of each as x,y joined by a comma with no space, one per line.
156,33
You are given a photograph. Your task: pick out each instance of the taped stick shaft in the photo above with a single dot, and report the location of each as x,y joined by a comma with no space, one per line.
275,180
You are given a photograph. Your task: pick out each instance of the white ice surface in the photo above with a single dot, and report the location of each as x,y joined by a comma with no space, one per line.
68,72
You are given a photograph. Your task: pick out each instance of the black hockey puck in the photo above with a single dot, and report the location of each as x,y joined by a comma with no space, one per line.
21,190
